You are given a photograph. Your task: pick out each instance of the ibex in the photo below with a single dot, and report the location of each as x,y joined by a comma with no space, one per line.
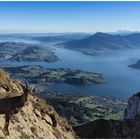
12,105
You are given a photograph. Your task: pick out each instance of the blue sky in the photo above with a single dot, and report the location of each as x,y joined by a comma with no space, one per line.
69,16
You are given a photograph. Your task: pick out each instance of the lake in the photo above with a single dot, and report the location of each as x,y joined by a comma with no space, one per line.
120,80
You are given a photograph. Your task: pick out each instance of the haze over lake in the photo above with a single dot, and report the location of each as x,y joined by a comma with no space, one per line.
120,80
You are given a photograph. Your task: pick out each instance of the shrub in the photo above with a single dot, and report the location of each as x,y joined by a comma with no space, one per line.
34,130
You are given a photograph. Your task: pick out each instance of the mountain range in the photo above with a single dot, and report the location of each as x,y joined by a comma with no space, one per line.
123,32
102,42
61,37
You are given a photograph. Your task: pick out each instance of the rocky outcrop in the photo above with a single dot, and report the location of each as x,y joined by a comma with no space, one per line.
33,122
109,129
7,85
133,107
36,119
128,128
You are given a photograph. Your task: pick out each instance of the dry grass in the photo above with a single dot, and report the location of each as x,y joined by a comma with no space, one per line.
9,85
4,78
44,108
34,130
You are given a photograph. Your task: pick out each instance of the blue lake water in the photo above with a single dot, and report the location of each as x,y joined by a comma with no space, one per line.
121,80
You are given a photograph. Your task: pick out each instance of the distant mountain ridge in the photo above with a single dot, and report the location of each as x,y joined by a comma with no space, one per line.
123,32
57,38
135,65
103,41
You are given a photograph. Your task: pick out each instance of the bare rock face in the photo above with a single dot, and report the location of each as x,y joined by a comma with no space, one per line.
31,123
127,128
109,129
133,107
36,119
8,87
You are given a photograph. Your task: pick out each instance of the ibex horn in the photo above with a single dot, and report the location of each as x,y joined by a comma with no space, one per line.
33,87
26,85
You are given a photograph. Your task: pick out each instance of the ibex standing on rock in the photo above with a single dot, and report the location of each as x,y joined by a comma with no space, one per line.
12,105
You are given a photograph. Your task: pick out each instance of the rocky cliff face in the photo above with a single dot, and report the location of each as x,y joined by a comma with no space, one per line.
36,119
133,107
109,129
128,128
7,85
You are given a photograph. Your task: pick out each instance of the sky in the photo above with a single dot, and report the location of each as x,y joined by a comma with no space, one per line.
44,17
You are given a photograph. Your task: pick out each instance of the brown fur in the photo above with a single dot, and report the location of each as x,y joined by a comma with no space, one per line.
12,105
